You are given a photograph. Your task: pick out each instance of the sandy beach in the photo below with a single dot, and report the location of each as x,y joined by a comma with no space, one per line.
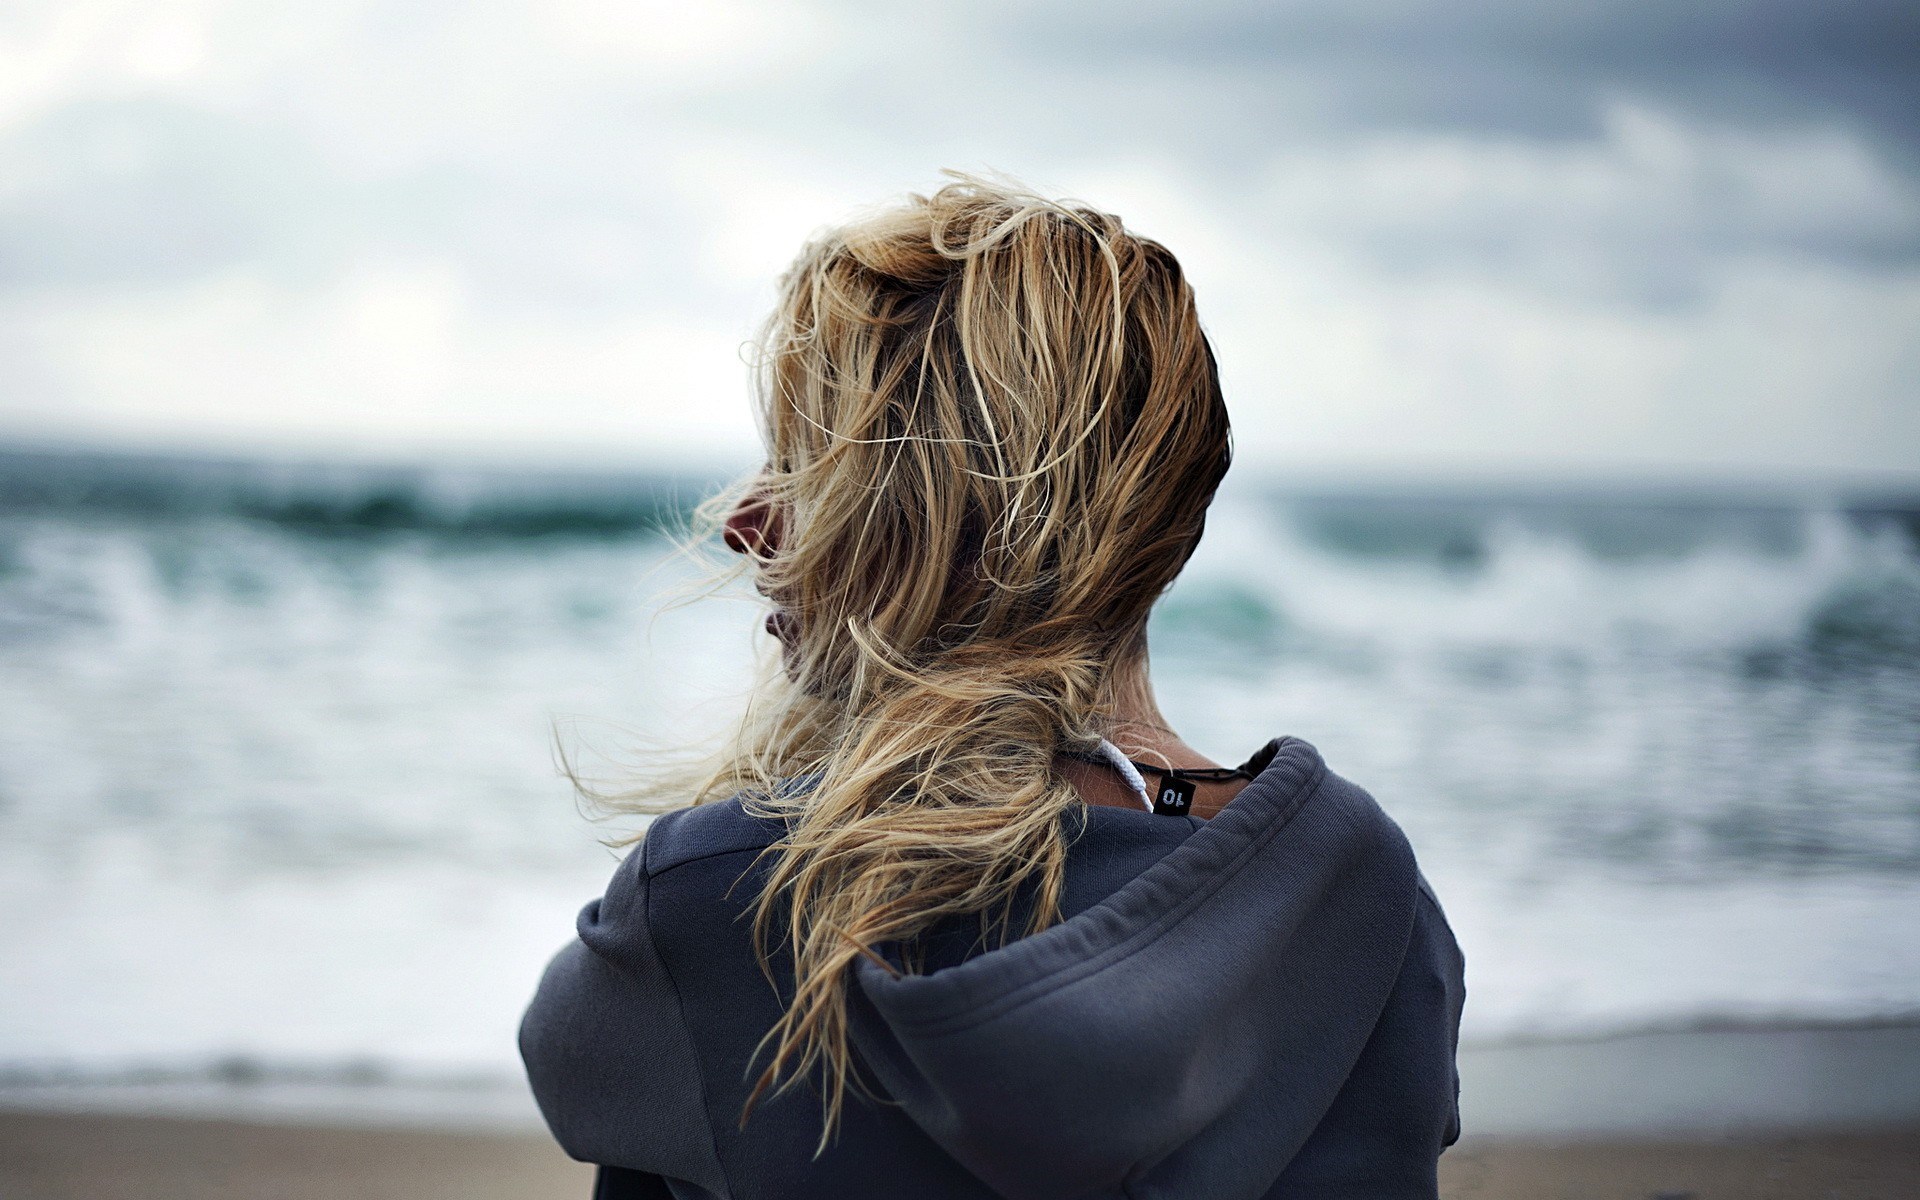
69,1157
1868,1165
1809,1113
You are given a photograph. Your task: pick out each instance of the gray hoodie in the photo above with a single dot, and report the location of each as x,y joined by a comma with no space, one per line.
1264,1004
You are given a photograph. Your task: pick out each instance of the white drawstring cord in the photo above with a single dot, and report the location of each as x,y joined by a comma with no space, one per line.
1120,763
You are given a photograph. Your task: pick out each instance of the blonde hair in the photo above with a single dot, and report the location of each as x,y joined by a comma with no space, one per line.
994,426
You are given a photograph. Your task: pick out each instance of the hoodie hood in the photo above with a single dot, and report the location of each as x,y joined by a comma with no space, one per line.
1261,998
1182,1037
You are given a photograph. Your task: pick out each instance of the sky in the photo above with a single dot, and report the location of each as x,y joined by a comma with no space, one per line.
1464,239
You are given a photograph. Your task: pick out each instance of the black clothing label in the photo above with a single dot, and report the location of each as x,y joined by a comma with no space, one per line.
1175,798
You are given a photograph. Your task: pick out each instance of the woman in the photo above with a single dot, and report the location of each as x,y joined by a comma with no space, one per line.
960,916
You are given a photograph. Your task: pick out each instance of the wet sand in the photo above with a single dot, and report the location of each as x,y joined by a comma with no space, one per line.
79,1157
68,1157
1877,1165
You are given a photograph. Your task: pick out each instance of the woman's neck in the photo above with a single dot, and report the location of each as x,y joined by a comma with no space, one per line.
1142,733
1139,728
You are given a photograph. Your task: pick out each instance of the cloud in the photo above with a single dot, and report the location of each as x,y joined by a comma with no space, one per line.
1654,209
1458,235
1541,69
389,356
1336,358
145,193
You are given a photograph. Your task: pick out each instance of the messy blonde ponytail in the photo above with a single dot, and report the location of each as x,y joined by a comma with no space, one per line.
994,426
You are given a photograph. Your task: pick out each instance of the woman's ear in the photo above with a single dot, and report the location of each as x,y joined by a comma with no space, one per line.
753,527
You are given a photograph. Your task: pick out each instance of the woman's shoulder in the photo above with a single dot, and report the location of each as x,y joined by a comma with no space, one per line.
1297,800
703,831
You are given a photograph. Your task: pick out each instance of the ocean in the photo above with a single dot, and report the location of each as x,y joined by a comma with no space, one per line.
278,793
